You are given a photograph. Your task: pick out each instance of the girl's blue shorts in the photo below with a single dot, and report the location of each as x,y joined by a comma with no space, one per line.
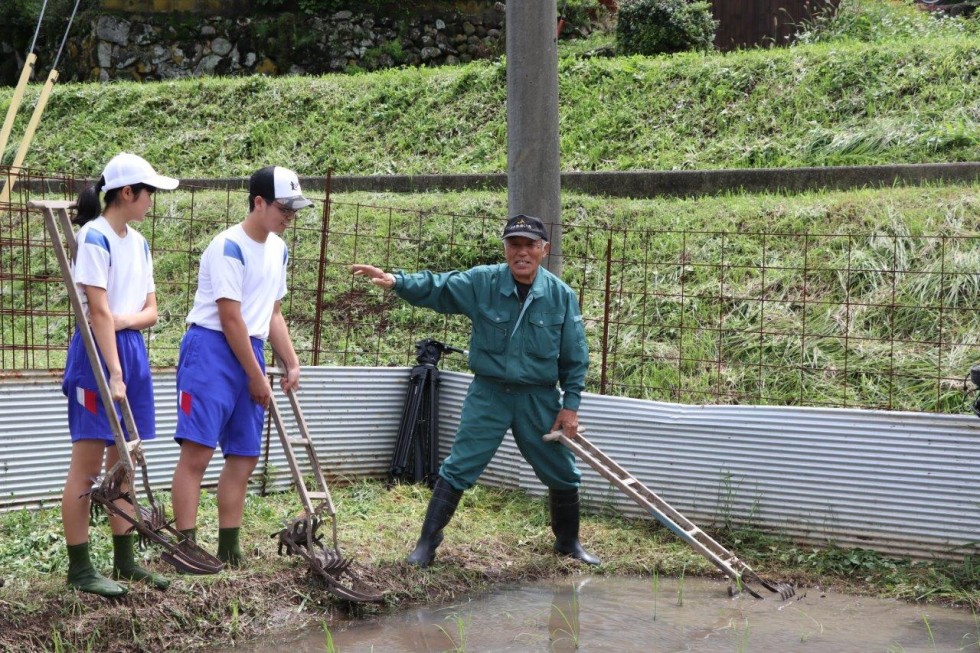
87,419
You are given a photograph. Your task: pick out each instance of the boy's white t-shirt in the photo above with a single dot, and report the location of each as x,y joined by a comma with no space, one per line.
122,266
236,267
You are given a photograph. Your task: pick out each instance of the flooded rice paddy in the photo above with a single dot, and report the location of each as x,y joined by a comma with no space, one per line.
650,614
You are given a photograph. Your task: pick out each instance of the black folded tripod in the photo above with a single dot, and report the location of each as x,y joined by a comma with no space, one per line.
975,379
416,457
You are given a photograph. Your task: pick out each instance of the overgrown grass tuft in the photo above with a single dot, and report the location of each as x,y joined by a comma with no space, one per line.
881,21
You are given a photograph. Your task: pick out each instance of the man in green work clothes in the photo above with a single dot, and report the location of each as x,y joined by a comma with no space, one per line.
527,339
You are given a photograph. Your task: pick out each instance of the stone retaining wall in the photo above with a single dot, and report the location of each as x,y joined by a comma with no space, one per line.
154,46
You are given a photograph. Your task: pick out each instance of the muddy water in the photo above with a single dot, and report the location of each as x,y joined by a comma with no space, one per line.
630,614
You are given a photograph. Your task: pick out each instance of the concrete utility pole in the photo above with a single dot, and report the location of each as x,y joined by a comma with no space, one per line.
533,170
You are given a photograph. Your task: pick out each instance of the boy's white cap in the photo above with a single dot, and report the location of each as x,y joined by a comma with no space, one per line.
278,184
126,169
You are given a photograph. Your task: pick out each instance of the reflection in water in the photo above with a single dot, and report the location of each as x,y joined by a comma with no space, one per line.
633,614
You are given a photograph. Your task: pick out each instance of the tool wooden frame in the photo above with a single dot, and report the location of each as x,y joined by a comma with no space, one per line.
697,539
300,535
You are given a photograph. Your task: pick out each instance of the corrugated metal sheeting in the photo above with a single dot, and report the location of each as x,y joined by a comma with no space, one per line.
352,413
896,482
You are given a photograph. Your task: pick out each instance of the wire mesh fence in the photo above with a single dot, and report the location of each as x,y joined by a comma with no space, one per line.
878,318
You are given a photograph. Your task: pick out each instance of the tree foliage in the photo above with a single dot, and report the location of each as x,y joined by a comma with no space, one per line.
651,27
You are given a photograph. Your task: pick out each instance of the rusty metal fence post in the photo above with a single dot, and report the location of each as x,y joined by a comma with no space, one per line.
321,273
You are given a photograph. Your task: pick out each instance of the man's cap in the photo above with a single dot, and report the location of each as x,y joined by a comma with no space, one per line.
127,169
526,226
280,185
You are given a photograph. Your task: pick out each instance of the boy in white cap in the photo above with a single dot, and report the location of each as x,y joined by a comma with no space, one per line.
222,388
114,274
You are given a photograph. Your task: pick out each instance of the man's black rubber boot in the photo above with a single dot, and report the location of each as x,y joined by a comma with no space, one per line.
564,523
442,505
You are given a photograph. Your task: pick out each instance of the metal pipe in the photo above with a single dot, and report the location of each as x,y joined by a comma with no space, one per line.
37,29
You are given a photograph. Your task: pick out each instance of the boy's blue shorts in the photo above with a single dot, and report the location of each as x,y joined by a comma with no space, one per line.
214,406
87,419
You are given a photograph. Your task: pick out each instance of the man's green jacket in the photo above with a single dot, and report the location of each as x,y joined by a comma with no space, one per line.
537,343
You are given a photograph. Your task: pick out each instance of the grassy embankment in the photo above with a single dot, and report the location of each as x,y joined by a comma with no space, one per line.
496,537
907,95
850,320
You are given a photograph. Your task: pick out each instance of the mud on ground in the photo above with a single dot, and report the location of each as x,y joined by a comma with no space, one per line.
497,537
202,612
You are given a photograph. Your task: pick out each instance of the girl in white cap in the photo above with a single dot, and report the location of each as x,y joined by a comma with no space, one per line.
114,274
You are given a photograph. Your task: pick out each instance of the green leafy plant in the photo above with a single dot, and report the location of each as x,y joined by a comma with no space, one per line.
580,13
650,27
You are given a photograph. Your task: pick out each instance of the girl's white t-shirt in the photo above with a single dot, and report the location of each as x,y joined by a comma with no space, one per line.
236,267
121,265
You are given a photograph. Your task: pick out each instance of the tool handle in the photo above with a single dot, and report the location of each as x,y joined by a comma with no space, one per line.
559,434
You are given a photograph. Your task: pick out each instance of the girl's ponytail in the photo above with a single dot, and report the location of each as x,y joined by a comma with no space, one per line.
88,206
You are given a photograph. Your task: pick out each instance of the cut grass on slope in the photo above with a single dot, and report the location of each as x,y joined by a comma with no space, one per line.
842,103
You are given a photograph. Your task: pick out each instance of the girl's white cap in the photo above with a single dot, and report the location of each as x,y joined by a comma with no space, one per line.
126,169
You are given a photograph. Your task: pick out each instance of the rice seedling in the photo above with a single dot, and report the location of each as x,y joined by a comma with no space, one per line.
655,583
329,646
569,629
969,645
932,637
458,643
741,636
680,587
805,635
558,635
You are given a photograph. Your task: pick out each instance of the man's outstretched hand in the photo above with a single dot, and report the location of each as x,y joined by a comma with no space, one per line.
377,276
